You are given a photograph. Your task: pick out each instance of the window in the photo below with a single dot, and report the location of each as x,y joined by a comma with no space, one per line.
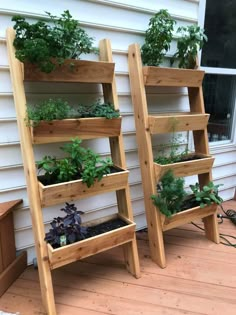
219,61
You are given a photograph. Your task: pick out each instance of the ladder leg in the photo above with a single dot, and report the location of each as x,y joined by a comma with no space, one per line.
211,228
156,244
131,258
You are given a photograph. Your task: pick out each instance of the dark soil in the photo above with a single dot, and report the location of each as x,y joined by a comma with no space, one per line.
190,158
99,229
104,227
189,202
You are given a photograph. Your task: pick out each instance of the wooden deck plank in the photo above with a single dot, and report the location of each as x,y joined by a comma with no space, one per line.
200,279
119,297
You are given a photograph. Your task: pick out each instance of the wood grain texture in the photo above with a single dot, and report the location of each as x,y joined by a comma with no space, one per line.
83,128
73,190
186,168
146,125
174,122
82,71
91,246
157,76
6,207
199,279
12,272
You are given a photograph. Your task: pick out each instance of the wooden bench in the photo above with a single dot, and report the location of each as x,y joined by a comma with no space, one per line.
11,266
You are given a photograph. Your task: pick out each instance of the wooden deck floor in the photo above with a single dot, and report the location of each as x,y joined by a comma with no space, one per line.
200,279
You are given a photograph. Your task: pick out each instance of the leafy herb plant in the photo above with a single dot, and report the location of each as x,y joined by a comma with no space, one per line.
48,110
207,195
157,38
170,194
98,109
57,108
191,40
61,39
67,229
172,198
80,163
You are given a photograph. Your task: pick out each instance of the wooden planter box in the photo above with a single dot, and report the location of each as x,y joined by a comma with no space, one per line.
84,128
73,190
82,71
186,168
166,123
155,76
187,216
93,245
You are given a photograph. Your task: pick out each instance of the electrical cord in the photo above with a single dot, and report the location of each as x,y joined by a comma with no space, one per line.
229,214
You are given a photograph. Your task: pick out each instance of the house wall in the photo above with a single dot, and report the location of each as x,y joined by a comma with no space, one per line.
123,22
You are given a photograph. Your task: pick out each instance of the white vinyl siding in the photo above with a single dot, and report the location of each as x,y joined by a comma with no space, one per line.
123,22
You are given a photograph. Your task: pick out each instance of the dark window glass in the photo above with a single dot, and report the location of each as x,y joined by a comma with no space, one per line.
220,27
219,97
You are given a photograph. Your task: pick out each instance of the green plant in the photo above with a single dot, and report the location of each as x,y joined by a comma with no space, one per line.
207,195
61,39
47,110
191,40
98,109
95,168
157,38
169,153
68,229
80,163
170,194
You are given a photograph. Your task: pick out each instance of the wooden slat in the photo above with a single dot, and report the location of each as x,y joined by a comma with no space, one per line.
83,128
155,76
187,216
73,190
82,71
174,122
145,154
7,240
12,272
91,246
118,156
186,168
6,207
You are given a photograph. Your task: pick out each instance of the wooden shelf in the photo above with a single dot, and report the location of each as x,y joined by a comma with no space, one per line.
82,71
84,128
157,76
73,190
186,168
166,123
187,216
91,246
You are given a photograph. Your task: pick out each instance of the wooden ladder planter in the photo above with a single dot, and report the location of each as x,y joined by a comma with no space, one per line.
11,266
99,72
147,125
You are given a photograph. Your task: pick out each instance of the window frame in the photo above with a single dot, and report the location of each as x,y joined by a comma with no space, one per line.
227,145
